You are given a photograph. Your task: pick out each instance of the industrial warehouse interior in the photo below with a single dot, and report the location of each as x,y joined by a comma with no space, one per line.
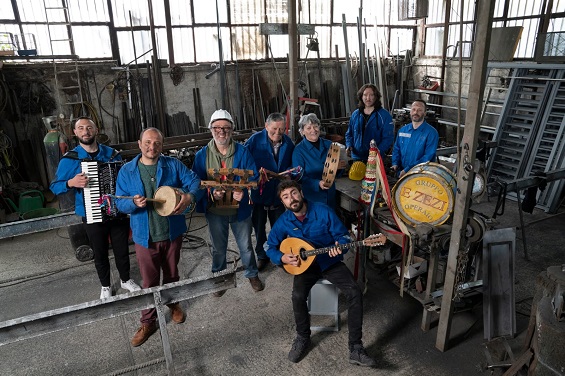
429,133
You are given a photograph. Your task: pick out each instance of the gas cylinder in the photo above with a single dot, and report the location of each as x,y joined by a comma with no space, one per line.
80,242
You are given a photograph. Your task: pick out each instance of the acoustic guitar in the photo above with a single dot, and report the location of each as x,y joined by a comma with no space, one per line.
307,253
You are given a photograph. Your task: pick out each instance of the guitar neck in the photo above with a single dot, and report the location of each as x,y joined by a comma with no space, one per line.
319,251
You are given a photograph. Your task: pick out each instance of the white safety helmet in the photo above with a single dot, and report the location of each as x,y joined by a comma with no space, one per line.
220,115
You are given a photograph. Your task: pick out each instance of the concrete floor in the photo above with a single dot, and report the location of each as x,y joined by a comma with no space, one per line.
243,332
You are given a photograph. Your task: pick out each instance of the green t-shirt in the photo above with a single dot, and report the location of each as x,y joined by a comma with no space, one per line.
158,226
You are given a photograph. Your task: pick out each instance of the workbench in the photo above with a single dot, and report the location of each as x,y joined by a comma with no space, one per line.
381,220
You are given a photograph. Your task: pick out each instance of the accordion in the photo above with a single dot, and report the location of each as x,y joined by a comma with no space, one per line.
101,181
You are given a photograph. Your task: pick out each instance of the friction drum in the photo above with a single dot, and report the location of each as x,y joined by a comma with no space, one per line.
170,198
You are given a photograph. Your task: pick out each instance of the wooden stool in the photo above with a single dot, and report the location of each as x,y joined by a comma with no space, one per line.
323,301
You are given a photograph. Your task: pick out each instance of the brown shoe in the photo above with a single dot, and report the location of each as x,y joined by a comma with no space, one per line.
177,314
256,284
219,294
143,333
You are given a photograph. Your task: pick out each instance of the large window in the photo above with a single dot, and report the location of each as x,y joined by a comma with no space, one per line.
122,28
507,13
118,25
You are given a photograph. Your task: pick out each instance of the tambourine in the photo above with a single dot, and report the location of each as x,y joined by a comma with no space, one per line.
331,165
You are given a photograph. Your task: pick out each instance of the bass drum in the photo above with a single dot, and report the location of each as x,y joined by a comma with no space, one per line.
425,194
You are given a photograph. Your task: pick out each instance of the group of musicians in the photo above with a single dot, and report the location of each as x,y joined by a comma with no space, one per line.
300,208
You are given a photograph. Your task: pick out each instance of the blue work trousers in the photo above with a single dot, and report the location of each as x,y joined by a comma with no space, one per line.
218,229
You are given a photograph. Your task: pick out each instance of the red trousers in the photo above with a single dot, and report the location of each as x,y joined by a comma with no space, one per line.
164,255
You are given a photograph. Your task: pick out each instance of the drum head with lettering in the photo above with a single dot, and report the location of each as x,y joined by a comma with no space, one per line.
423,197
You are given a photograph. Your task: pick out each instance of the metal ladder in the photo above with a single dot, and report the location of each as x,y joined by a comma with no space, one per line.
69,80
550,143
530,132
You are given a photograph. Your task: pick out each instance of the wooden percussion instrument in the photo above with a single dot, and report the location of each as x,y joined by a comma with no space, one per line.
165,200
331,165
229,179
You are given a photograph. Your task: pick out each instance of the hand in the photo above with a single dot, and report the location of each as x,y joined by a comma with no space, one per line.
79,181
393,168
335,251
402,173
348,151
322,186
291,259
184,202
237,194
218,194
140,201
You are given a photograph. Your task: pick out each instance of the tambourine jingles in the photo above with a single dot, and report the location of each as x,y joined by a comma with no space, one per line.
171,200
331,165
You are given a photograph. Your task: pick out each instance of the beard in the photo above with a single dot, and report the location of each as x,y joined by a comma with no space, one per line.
87,141
298,208
417,118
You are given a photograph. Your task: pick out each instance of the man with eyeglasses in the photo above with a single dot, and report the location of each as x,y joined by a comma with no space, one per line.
223,152
272,150
69,177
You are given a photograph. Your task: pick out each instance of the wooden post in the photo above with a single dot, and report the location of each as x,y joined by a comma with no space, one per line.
465,164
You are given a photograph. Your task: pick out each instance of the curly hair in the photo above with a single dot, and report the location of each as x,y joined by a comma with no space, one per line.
378,96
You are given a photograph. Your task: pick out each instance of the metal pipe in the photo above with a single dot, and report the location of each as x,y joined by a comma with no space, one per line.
138,74
293,66
222,67
156,70
349,104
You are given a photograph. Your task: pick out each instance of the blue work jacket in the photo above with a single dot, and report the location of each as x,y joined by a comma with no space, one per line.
242,159
414,146
69,167
321,228
312,161
379,128
262,151
170,172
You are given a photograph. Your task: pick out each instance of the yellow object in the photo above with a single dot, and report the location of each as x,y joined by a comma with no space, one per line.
426,194
357,171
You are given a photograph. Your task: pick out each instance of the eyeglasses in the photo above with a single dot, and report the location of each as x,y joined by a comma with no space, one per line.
222,129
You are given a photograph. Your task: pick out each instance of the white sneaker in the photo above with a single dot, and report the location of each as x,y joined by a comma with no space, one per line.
106,292
130,285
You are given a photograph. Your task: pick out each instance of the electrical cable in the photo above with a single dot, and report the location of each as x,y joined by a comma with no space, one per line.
4,95
100,99
187,238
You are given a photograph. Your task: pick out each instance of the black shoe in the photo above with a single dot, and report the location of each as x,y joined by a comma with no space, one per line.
358,355
262,264
298,350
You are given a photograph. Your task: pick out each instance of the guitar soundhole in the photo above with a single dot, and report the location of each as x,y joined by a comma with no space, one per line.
302,254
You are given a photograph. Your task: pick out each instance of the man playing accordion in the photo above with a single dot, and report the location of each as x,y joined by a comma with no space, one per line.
70,177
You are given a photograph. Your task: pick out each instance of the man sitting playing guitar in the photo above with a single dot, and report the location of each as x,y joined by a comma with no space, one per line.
317,224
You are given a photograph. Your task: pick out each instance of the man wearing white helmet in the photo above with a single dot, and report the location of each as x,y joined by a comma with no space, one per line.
223,152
